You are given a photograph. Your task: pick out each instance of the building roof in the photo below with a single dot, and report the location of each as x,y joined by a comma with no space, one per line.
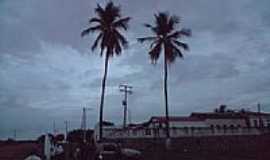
227,115
213,115
249,113
175,118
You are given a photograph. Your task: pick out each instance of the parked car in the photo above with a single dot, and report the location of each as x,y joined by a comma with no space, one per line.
114,151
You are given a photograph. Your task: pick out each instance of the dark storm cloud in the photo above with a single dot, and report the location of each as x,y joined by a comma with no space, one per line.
47,70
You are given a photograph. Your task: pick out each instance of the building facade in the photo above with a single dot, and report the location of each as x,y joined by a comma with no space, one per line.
197,124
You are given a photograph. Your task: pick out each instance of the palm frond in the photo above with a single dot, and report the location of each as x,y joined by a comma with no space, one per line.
148,25
179,34
154,43
95,28
103,43
186,32
99,11
181,44
153,28
92,20
85,32
155,52
90,29
122,39
161,22
174,35
123,23
112,11
173,20
117,48
95,44
177,51
144,39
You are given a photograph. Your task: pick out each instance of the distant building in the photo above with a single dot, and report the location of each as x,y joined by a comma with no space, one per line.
220,122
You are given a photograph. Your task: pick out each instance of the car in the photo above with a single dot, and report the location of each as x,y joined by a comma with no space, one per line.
114,151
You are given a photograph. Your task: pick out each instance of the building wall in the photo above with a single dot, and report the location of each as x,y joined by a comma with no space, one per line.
207,127
177,132
188,124
179,124
226,123
255,121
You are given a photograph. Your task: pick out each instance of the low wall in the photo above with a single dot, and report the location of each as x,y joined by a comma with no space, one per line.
254,147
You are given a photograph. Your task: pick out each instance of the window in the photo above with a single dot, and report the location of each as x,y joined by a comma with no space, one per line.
212,127
134,132
147,131
225,128
174,130
156,132
255,122
261,123
268,123
186,130
192,129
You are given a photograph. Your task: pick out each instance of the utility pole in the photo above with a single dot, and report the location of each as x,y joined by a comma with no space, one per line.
66,126
260,117
127,90
54,128
259,108
83,123
15,134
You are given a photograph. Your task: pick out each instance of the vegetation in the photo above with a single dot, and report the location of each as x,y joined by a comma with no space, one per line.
107,24
166,38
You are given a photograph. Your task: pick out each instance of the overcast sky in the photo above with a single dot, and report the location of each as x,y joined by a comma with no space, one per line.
48,73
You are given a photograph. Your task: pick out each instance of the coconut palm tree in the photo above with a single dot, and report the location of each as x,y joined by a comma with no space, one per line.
166,38
107,24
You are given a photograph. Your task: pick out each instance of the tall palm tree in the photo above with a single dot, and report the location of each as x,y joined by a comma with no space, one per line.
107,24
166,38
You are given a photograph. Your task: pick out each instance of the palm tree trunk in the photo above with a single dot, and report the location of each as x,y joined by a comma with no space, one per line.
166,98
102,97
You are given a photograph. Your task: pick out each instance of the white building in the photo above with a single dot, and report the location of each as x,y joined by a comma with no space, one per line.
197,124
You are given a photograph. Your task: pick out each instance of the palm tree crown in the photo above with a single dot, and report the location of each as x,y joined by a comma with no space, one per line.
166,37
107,24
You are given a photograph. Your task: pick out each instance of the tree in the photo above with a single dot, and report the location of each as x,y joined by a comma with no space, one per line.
166,39
107,24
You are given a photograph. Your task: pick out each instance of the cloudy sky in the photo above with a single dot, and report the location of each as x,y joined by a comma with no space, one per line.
48,73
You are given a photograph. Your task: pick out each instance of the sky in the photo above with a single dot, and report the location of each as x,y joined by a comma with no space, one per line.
48,72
